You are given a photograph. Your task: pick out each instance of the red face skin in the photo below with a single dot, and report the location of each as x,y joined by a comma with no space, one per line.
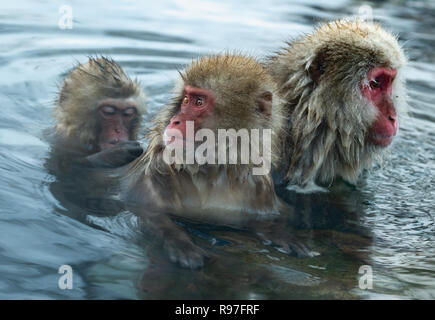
196,105
116,119
379,92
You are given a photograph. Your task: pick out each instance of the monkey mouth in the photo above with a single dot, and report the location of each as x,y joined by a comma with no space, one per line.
381,140
174,142
111,143
171,139
114,142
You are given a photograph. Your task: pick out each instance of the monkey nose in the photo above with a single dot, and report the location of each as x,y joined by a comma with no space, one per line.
393,120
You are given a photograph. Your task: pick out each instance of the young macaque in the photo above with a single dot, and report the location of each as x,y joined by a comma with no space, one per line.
98,113
344,92
214,93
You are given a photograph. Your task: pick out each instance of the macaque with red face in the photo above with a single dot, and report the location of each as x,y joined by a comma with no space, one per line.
98,114
379,91
344,91
116,120
214,93
197,105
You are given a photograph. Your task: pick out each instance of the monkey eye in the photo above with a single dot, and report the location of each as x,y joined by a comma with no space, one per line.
185,100
199,102
129,112
374,84
108,110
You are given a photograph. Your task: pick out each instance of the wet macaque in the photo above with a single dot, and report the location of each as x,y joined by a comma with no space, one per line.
98,115
344,92
216,93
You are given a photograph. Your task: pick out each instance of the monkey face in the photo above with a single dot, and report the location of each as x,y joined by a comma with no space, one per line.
116,121
99,105
196,106
377,88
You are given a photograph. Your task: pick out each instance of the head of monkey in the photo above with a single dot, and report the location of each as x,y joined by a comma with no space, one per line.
344,85
99,105
357,68
222,92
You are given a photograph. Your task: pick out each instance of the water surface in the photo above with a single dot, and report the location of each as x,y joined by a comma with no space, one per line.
386,221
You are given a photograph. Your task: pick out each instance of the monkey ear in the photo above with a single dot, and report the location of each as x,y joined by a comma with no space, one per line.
264,102
317,67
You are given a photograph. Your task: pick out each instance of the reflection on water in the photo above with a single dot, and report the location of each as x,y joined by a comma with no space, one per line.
387,221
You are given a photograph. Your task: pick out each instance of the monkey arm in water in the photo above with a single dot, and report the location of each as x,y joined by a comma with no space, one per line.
120,154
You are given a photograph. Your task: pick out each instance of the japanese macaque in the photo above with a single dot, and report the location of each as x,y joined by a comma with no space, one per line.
214,93
344,92
98,113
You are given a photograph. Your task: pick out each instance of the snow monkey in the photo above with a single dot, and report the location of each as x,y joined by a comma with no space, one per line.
221,92
344,91
98,113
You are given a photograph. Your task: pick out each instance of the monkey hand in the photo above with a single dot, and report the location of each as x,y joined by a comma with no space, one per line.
120,154
183,251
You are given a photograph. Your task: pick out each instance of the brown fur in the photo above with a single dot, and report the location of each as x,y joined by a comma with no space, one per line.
83,182
319,77
84,86
218,194
245,79
241,76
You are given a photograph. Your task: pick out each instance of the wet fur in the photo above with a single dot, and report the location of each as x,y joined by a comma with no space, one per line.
319,76
226,194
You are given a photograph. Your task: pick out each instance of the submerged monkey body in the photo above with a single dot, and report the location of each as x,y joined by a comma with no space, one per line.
337,125
216,195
